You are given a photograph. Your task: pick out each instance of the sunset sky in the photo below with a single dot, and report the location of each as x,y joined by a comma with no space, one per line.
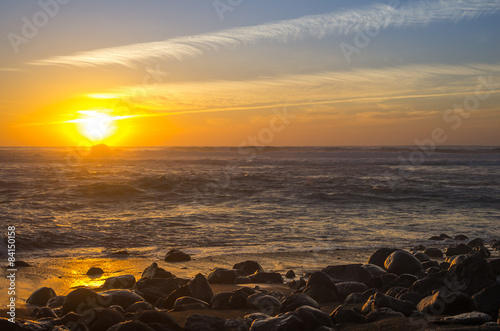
214,73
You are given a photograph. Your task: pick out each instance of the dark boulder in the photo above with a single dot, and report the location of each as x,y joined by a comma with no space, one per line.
380,314
82,299
471,275
436,238
197,322
153,271
155,288
297,300
248,267
346,314
266,277
56,301
495,266
404,280
402,262
346,288
122,298
169,301
446,303
264,303
175,255
476,242
378,258
458,249
488,300
41,296
313,318
290,274
433,252
94,271
190,303
100,319
321,294
430,283
321,278
353,272
200,288
380,300
222,276
131,326
422,257
119,282
395,291
283,322
481,251
140,305
157,317
354,298
473,318
461,237
413,297
220,300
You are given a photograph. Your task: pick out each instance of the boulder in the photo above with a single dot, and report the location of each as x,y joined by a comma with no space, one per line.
41,296
488,300
402,262
430,264
242,280
56,301
461,237
476,242
321,294
496,245
430,283
422,257
248,267
264,303
95,271
404,280
221,300
458,249
481,251
168,302
380,300
266,277
433,252
100,319
321,278
495,266
197,322
290,274
190,303
413,297
473,318
175,255
238,298
446,303
346,288
471,275
313,318
153,271
346,314
380,314
131,326
157,317
122,298
153,289
353,272
44,312
297,300
395,291
436,238
378,258
200,288
119,282
354,298
82,299
222,276
283,322
140,305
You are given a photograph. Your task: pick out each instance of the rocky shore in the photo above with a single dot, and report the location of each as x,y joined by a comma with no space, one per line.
451,286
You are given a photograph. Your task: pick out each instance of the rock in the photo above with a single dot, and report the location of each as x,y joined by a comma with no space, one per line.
422,257
153,271
474,318
197,322
461,237
404,280
452,260
140,305
56,301
413,297
122,298
283,322
41,296
321,278
248,267
168,302
100,319
380,314
242,280
488,300
44,312
378,258
266,277
445,236
119,282
476,243
313,318
221,300
297,300
5,324
395,291
153,289
175,255
471,275
20,263
131,326
346,288
238,299
190,303
495,266
157,317
345,314
402,262
380,300
297,284
264,303
433,252
123,253
458,249
496,245
222,276
387,280
354,298
446,303
481,251
95,271
82,299
430,283
290,274
436,238
200,288
430,264
419,247
250,318
353,272
321,294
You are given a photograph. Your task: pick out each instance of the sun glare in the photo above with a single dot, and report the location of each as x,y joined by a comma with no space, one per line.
96,125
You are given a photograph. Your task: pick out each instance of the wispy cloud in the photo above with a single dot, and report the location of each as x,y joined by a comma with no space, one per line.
345,22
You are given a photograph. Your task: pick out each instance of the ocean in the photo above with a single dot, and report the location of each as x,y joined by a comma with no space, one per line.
221,200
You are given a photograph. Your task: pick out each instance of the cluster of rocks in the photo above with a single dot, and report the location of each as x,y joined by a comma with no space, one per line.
458,286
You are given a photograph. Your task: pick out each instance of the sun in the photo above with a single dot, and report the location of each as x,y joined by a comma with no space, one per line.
96,124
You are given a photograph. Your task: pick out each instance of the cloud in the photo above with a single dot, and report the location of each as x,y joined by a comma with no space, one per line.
414,13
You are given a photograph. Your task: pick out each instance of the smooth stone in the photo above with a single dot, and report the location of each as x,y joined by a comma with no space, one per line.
122,298
430,264
378,258
413,297
69,318
238,298
446,303
297,284
476,242
119,282
488,300
380,314
175,255
123,253
153,289
321,278
461,237
140,305
250,318
131,326
264,303
430,283
94,271
266,277
436,238
481,251
242,280
297,300
445,236
353,272
419,247
474,318
222,276
117,308
283,322
346,288
41,296
56,301
249,267
200,288
168,302
387,280
422,257
321,294
354,298
290,274
395,291
380,300
471,275
221,300
346,314
197,322
153,271
100,319
405,280
458,249
190,303
157,317
433,252
452,260
44,312
80,300
313,318
402,262
495,266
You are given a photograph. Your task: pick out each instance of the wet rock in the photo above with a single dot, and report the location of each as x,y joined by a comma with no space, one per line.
395,291
175,255
200,288
297,284
321,294
461,237
5,324
56,301
313,318
476,243
140,305
495,266
69,319
250,318
283,322
430,283
413,297
402,262
346,288
404,280
378,258
346,314
155,288
242,280
353,272
422,257
41,296
380,300
474,318
496,245
419,247
321,278
458,249
119,282
266,277
471,275
168,302
153,271
453,260
131,326
123,253
122,298
354,298
238,298
94,271
220,300
290,274
297,300
481,251
44,312
445,236
387,280
436,238
433,252
100,319
430,264
82,299
264,303
197,322
157,317
248,267
190,303
488,300
380,314
222,276
446,303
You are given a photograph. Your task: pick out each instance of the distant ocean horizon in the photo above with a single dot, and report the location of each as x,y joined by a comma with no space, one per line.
219,200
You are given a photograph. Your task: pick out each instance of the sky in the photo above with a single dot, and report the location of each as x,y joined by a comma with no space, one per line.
249,72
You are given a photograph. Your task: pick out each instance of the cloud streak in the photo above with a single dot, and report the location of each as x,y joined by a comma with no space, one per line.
314,26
